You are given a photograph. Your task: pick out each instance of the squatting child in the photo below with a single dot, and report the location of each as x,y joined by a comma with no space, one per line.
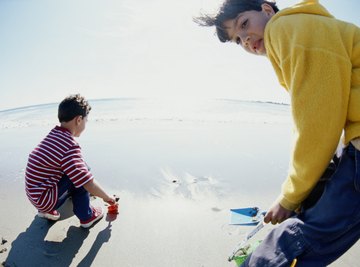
56,169
317,59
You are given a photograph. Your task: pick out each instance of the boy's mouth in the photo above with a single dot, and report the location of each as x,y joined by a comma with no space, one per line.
256,47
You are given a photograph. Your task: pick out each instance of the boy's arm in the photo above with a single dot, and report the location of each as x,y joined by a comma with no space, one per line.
95,189
77,171
318,81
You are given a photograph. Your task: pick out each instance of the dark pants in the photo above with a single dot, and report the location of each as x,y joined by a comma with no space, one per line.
322,233
80,198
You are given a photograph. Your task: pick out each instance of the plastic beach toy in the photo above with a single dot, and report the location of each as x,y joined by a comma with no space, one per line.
249,217
246,216
244,252
114,209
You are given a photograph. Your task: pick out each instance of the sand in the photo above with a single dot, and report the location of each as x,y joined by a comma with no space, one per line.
177,178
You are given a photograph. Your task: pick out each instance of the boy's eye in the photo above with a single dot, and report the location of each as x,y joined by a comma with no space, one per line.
244,24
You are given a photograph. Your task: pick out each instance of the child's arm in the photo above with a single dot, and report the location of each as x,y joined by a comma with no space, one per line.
95,189
317,74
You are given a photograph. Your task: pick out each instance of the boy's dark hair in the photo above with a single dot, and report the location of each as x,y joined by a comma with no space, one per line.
72,106
230,9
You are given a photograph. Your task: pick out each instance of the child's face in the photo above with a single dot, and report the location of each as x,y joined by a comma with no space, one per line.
80,126
247,29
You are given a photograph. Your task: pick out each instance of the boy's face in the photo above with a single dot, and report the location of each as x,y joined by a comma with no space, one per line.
80,125
247,29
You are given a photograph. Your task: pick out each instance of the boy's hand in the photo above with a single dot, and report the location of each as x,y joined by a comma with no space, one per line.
277,214
110,200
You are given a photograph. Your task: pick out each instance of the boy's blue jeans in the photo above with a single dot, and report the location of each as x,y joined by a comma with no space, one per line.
80,198
321,234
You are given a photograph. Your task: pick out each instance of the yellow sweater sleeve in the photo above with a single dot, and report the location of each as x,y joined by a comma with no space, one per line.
318,81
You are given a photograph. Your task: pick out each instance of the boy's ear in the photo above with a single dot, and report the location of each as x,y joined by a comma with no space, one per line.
267,9
78,119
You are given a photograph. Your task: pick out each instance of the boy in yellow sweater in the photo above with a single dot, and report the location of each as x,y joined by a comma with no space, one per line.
317,59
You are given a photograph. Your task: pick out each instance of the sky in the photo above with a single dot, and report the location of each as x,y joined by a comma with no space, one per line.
128,48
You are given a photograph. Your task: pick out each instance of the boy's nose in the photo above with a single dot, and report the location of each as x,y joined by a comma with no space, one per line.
245,41
244,38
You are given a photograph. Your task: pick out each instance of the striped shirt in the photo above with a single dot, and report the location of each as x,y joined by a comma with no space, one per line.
56,155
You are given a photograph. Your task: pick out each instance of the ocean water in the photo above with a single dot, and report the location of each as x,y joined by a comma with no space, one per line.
170,110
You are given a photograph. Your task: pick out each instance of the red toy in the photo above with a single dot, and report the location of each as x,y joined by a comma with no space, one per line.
114,208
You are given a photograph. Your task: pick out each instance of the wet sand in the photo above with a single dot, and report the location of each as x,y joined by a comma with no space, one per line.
176,180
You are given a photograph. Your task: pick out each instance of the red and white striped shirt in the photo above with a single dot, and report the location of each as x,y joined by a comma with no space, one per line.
56,155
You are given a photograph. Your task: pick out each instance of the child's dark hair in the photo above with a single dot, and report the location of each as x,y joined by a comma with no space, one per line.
230,9
72,106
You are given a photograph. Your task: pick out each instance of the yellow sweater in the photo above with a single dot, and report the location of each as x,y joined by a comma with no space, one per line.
317,59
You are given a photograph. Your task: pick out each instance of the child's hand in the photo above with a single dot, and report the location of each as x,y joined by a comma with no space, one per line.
111,200
114,205
277,214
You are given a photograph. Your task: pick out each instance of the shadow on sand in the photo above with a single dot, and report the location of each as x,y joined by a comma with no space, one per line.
31,249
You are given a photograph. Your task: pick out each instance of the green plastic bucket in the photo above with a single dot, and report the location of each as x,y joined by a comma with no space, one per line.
241,256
